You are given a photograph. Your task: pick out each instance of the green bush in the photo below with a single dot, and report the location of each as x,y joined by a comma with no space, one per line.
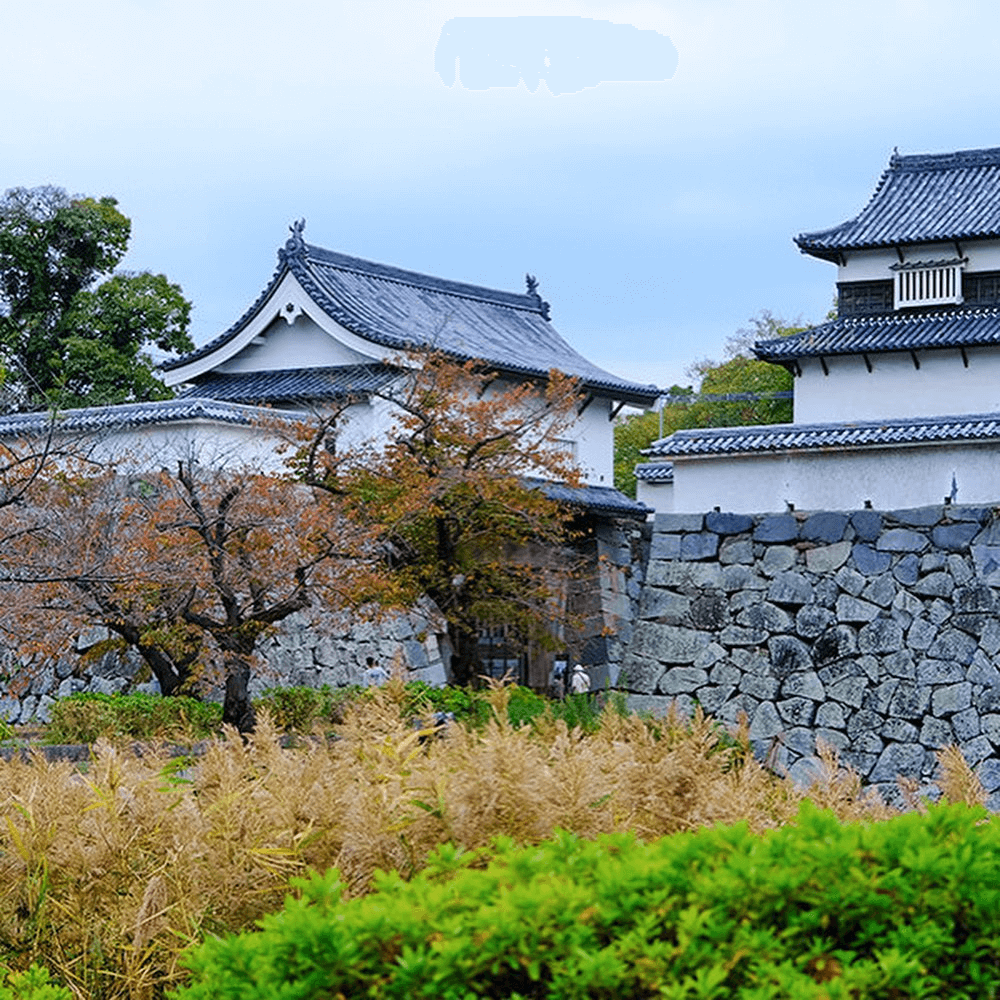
84,717
907,908
300,709
32,985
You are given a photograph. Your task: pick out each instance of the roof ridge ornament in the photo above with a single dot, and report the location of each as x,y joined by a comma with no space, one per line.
296,245
543,307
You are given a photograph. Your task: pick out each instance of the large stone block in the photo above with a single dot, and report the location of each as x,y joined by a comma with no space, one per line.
854,610
765,723
907,570
880,636
682,680
736,551
666,606
826,526
737,635
762,688
921,634
966,724
788,656
850,581
900,731
900,665
899,759
879,697
777,559
867,524
776,528
667,643
803,685
910,700
830,715
951,644
901,540
796,711
935,585
951,698
791,589
983,670
725,673
848,691
989,775
918,517
954,537
665,547
881,591
698,546
765,616
712,698
835,644
828,558
723,523
867,561
811,620
709,612
936,733
640,674
678,523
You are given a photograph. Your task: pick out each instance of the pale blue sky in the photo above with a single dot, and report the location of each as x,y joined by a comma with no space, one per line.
657,216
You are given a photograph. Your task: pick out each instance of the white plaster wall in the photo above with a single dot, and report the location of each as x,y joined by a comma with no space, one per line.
303,344
895,388
209,443
837,480
659,496
870,265
596,443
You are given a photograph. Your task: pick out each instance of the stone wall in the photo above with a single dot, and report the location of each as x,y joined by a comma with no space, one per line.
298,653
876,632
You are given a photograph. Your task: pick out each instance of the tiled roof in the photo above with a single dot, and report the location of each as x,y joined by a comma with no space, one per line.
597,499
128,415
655,472
902,331
399,309
921,199
293,384
805,437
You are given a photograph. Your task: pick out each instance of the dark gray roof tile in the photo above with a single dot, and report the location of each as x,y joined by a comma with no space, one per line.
293,384
805,437
399,310
921,199
904,331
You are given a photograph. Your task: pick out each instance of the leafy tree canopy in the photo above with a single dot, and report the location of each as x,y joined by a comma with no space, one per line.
740,373
446,502
72,331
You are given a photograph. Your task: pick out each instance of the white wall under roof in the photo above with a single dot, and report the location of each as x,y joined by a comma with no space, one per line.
872,265
894,387
910,476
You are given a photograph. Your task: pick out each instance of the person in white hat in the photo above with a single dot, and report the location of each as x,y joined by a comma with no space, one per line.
580,681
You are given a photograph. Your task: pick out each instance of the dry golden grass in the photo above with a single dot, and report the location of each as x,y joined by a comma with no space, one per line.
106,875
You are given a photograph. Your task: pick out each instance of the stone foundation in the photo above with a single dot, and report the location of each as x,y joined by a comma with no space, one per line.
876,632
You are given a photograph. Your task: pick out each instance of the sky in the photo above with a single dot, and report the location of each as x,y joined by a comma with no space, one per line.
651,176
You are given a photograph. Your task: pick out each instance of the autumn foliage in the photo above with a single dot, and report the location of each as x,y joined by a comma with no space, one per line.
454,495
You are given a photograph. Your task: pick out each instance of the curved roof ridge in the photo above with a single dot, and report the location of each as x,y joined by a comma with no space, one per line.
951,326
920,198
988,157
416,279
227,335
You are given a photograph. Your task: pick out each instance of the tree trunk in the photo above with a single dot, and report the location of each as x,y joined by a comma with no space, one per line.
237,709
466,665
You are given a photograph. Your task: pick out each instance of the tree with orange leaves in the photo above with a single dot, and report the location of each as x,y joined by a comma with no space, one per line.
454,492
189,568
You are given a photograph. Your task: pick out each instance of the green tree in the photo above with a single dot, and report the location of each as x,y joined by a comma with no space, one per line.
740,374
72,331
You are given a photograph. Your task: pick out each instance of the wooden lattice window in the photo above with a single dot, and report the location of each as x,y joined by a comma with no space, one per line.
928,283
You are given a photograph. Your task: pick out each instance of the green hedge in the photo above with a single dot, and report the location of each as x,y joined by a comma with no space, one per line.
905,908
